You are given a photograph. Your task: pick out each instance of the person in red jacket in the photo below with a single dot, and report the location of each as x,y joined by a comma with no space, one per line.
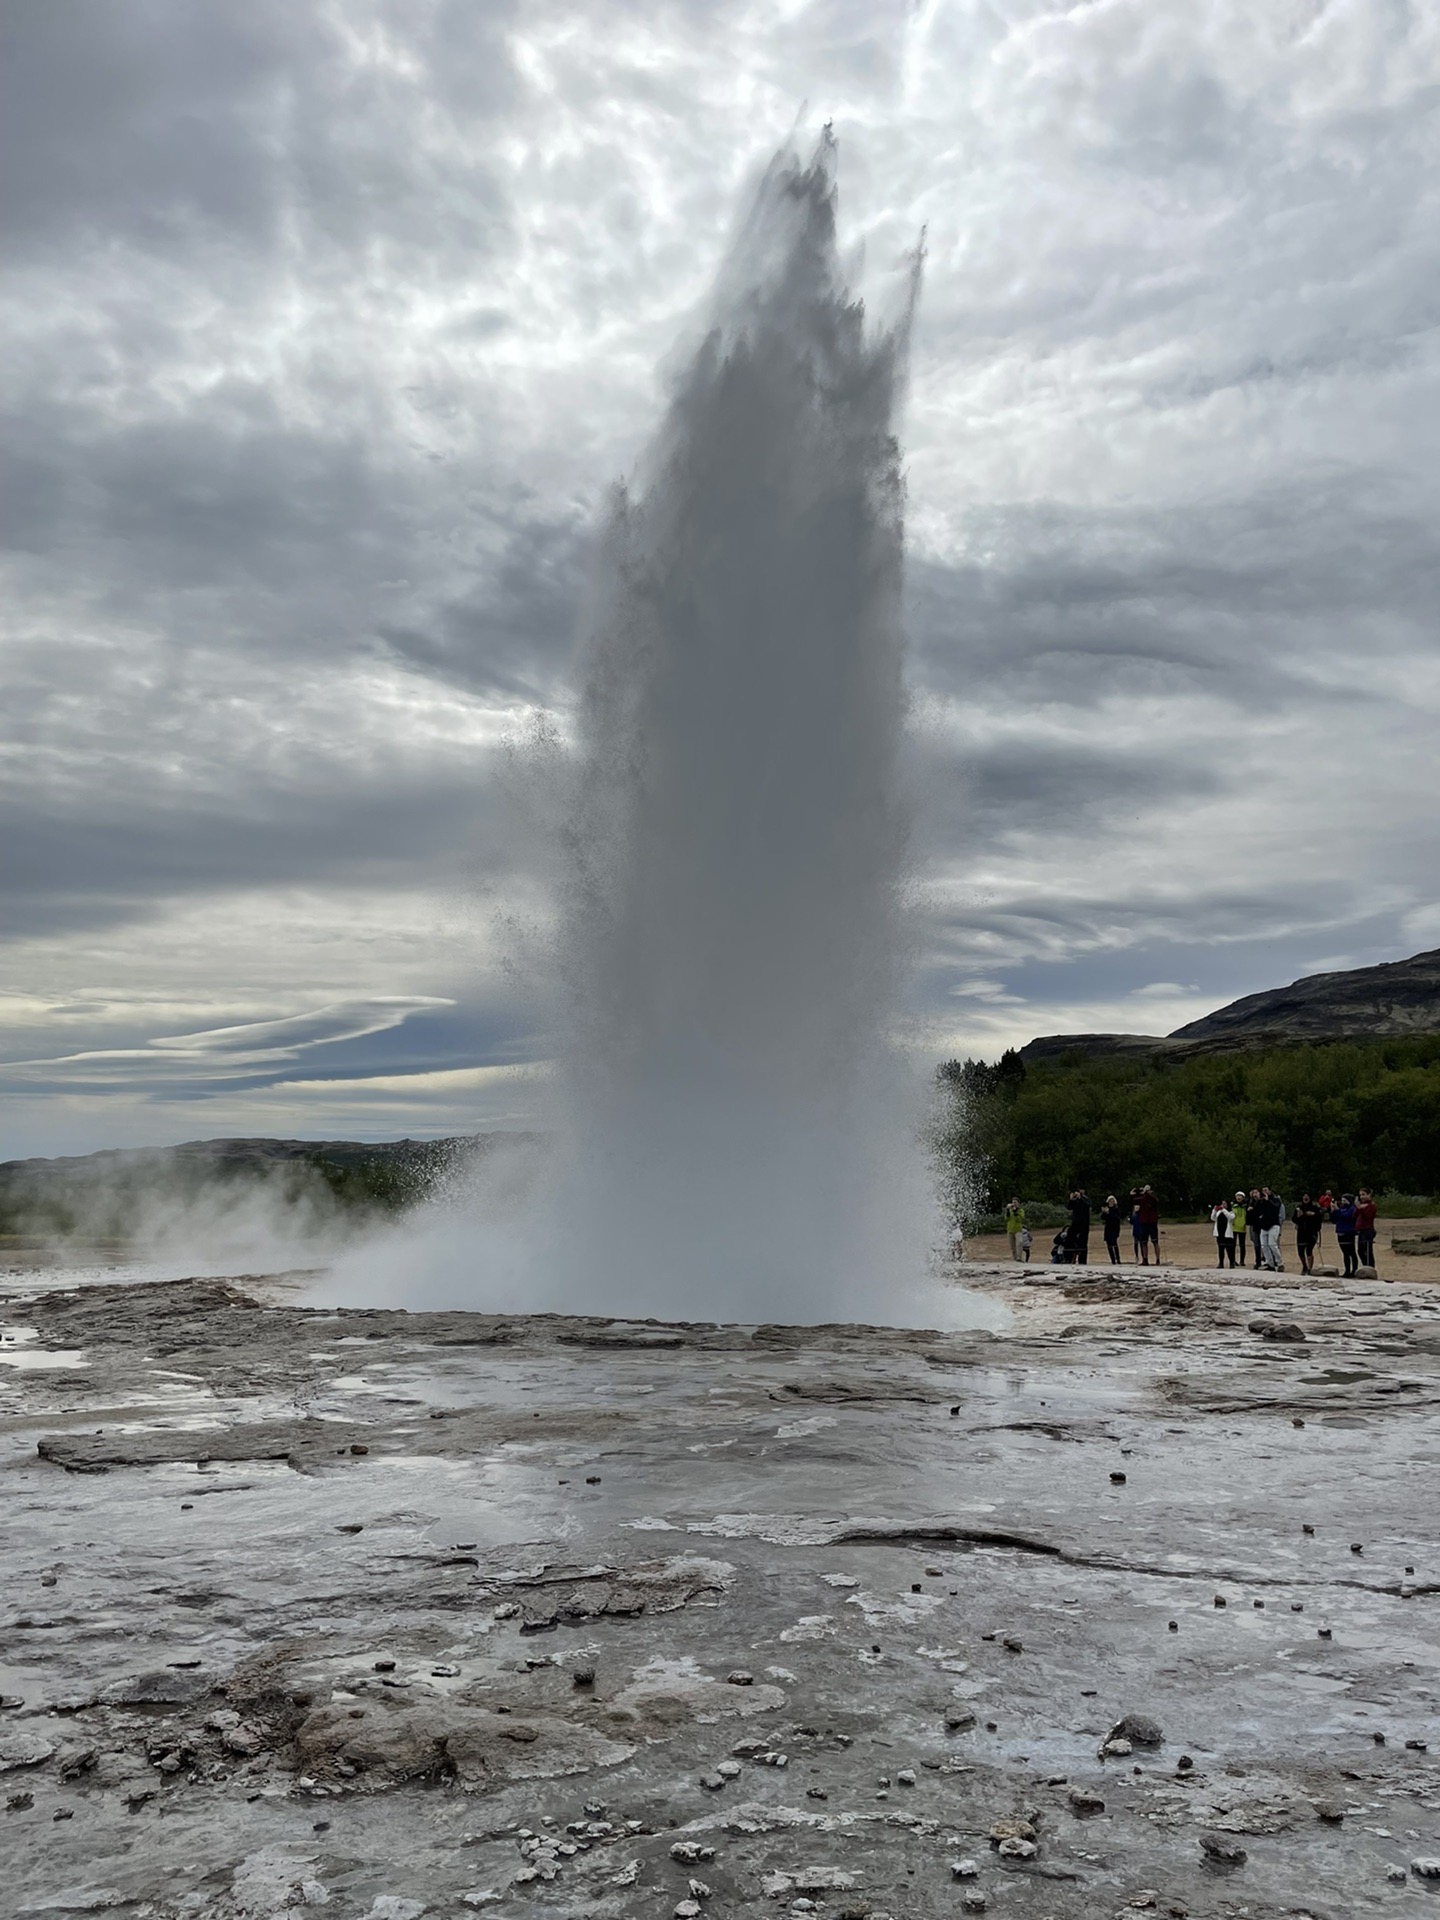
1365,1228
1147,1222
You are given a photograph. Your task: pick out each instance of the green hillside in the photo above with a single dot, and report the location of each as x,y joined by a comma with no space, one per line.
1345,1114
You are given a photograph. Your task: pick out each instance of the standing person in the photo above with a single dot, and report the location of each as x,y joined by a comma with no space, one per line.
1365,1228
1025,1245
1079,1231
1326,1204
1148,1207
1268,1215
1136,1232
1014,1226
1307,1231
1239,1212
1110,1222
1223,1219
1252,1217
1342,1218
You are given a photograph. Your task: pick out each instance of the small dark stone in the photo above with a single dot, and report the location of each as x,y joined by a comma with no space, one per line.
992,1726
1356,1547
1297,1421
1258,1603
583,1676
384,1666
187,1506
322,1826
64,1813
1012,1645
954,1411
1305,1527
916,1587
1378,1738
1174,1626
1416,1746
1184,1763
1118,1478
1220,1600
352,1526
1331,1815
1297,1606
20,1803
1323,1633
816,1793
592,1479
357,1447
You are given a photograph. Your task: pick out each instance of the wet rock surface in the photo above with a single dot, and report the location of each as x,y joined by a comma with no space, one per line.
397,1614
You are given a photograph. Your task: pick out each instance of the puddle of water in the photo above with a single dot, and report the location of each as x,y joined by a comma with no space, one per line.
43,1359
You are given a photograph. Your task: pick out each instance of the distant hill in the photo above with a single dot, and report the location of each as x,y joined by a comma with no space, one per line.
1395,1000
1398,999
100,1196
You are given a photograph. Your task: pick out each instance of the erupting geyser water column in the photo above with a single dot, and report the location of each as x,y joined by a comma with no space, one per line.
731,916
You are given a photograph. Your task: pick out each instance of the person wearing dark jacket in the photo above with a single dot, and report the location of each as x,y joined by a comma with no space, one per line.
1365,1228
1342,1218
1266,1215
1147,1207
1308,1219
1078,1232
1110,1221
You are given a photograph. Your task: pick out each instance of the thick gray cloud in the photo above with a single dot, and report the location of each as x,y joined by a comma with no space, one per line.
328,323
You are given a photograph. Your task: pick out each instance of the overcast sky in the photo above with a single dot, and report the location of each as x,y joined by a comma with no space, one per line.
328,323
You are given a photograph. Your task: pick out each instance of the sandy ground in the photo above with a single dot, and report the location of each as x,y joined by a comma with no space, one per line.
402,1614
1189,1245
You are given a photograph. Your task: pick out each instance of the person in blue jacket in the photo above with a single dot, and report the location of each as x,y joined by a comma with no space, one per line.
1343,1219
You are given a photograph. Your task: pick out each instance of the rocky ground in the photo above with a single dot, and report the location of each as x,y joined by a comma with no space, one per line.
1131,1608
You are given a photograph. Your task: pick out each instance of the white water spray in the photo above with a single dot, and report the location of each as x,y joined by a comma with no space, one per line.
735,1138
731,921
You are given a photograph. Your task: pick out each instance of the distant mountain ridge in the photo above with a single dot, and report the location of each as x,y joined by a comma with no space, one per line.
1397,999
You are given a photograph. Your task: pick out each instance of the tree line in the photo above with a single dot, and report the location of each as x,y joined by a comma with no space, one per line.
1343,1114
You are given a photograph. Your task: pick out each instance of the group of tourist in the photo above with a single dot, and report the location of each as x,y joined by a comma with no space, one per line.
1250,1221
1261,1214
1071,1245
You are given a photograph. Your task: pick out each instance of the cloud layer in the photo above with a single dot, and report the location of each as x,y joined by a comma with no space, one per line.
327,325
